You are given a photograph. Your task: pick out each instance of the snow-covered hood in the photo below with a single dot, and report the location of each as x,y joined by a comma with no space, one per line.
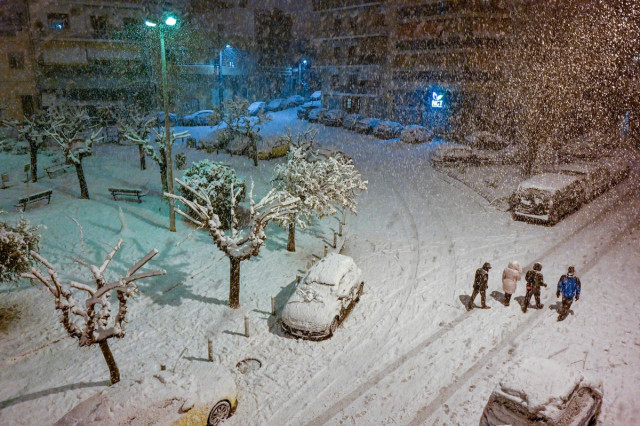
542,386
311,307
548,182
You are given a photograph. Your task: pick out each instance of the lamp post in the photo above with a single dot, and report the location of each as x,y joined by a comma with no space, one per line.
170,21
300,82
220,88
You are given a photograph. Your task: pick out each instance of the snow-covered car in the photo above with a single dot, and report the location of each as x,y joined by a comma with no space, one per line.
293,101
256,107
316,96
453,153
484,140
388,129
200,395
547,197
415,133
173,118
541,391
303,111
315,115
510,154
350,120
276,104
366,125
598,177
333,117
587,147
323,298
198,118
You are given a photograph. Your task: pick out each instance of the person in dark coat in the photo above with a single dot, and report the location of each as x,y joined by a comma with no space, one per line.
570,286
480,285
534,280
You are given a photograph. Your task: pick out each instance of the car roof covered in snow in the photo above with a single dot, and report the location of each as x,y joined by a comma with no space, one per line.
542,385
549,181
330,270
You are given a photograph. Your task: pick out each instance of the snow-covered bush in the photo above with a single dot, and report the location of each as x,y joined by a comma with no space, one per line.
16,241
215,180
181,160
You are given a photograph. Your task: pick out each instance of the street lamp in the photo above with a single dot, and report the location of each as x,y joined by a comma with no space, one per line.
169,21
302,63
220,88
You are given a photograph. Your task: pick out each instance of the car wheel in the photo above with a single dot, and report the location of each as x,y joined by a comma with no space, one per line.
218,413
360,290
334,326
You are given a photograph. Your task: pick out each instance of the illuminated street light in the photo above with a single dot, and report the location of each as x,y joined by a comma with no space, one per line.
169,21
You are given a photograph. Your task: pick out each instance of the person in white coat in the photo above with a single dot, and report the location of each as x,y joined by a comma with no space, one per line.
510,276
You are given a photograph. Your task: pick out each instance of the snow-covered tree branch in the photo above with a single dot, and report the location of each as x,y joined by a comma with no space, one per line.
92,322
32,130
136,127
238,244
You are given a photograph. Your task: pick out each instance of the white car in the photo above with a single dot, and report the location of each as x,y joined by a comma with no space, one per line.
200,395
256,107
323,298
542,392
453,153
414,133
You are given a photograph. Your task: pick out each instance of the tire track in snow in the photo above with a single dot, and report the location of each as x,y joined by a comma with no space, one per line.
446,392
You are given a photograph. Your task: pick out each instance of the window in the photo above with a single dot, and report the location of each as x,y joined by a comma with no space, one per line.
58,21
336,53
99,26
337,26
16,60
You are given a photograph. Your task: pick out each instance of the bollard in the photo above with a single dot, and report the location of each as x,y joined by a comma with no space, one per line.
335,240
163,367
210,349
246,325
273,306
326,250
340,229
298,278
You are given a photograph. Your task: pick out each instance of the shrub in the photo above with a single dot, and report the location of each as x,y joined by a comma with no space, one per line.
181,160
216,180
15,244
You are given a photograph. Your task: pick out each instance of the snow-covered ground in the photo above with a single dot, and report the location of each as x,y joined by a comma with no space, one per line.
409,352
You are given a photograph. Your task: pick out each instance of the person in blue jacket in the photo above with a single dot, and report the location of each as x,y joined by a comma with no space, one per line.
569,285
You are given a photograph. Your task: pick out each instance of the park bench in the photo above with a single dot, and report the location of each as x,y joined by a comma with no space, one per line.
127,193
57,168
33,198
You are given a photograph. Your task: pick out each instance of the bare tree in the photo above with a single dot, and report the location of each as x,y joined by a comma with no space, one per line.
16,242
137,128
241,125
320,181
95,313
32,130
237,244
72,129
160,155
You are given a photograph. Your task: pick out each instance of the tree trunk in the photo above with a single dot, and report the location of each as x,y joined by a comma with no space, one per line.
163,176
255,151
33,150
291,244
84,191
114,373
234,283
143,163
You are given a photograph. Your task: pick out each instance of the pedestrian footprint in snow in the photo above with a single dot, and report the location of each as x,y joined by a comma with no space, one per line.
569,285
510,276
480,285
534,280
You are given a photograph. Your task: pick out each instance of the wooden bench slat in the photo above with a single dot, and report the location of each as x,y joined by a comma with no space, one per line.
127,192
35,197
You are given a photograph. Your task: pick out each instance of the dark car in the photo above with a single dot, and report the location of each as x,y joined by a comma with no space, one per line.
315,115
333,117
366,125
173,118
293,101
350,121
388,129
276,104
198,118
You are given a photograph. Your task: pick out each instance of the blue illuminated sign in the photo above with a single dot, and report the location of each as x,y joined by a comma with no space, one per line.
437,100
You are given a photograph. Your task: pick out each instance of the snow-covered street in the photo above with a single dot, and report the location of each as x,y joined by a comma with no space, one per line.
408,353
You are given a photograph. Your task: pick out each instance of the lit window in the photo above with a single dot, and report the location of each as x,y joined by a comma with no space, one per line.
58,21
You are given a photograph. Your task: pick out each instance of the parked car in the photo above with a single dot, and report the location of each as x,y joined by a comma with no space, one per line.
415,133
276,104
388,129
256,107
485,141
350,120
199,395
453,153
173,118
512,153
598,177
366,125
587,147
316,96
303,111
315,115
323,298
333,117
542,392
293,101
198,118
547,197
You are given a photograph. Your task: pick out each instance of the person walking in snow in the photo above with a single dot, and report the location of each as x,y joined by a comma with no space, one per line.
569,285
510,276
480,285
534,280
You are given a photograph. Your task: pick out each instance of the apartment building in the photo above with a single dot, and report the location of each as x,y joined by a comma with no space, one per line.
17,77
